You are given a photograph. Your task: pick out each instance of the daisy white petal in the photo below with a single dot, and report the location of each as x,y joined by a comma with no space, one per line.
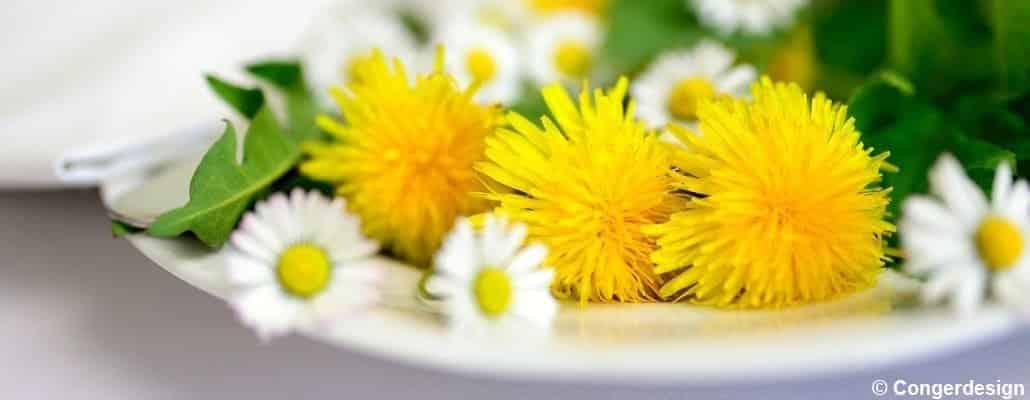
280,215
489,237
537,307
442,287
528,258
927,253
248,244
757,17
243,270
712,58
1021,272
1012,292
536,279
261,231
460,254
945,283
939,264
460,308
360,272
671,89
266,310
501,242
340,303
738,79
1019,200
970,293
924,211
1002,185
950,183
359,250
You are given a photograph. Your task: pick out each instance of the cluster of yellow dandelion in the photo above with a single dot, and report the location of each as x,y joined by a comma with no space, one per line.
776,203
587,186
787,207
404,155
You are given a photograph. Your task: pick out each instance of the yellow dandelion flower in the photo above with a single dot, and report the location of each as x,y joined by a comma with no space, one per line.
404,157
788,208
586,186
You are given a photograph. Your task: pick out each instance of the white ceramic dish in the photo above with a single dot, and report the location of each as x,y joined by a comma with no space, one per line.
639,344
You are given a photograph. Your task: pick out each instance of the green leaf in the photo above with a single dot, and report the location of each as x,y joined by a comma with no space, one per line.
879,102
913,27
1011,20
417,26
294,179
917,138
980,158
282,74
996,121
852,36
941,45
246,101
640,30
119,229
301,106
530,104
222,188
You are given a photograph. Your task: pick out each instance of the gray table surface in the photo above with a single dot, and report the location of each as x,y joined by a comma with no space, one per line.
85,316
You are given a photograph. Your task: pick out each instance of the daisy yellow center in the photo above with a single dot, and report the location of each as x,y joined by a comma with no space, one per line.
789,211
687,94
404,157
999,242
586,184
304,270
572,58
481,64
493,291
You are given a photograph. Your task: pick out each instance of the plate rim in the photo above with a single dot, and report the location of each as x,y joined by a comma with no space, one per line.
601,368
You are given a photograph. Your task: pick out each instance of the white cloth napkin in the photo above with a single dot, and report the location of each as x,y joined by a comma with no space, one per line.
90,89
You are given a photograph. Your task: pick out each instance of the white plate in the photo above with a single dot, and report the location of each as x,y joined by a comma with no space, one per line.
639,344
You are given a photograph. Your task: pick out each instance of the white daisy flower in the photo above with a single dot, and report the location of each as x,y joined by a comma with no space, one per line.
491,279
298,261
673,86
967,246
757,17
336,43
478,53
563,48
